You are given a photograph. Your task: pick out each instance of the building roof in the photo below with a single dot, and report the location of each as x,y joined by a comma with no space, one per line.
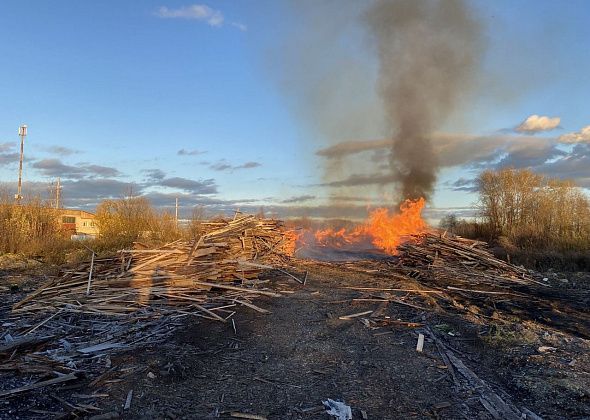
76,212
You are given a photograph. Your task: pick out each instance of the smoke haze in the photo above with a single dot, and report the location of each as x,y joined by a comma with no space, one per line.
393,68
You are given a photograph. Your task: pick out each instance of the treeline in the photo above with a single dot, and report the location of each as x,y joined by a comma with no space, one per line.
528,211
33,228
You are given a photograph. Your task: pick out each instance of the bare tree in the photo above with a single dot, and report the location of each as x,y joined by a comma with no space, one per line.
534,211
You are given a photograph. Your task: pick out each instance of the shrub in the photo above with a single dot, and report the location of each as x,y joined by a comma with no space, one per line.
124,221
29,227
533,211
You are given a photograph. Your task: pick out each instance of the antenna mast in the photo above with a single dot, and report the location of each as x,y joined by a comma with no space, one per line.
22,132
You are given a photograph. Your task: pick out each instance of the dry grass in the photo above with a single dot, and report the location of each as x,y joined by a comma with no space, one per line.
124,221
33,229
29,228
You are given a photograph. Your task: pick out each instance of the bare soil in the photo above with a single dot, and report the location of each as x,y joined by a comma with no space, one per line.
284,364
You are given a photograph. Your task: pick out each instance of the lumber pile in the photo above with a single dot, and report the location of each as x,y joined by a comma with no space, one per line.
470,280
457,276
212,271
459,262
72,322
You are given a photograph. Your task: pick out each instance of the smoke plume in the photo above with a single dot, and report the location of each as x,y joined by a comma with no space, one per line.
393,69
427,53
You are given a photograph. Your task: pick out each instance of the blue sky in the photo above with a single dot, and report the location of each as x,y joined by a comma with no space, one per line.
112,91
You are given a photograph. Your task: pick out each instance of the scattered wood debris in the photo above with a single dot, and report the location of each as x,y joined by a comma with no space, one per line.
459,261
460,275
492,402
205,274
36,385
70,324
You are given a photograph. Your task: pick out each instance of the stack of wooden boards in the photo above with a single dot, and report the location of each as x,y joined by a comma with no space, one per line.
68,326
459,261
208,275
470,279
434,272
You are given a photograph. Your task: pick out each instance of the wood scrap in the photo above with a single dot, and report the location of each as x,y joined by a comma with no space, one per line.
470,279
42,384
229,256
346,317
239,415
137,296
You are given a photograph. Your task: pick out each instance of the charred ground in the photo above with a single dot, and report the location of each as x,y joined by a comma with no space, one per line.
283,364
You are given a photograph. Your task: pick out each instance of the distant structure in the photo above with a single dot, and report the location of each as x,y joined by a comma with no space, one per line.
22,132
78,223
58,193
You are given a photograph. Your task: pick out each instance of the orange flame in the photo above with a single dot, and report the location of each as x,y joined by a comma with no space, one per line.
337,238
388,231
292,239
385,231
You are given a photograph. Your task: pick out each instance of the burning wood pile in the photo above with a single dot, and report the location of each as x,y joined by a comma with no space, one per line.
139,296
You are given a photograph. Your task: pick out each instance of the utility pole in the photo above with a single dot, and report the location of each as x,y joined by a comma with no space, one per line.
57,194
22,132
176,213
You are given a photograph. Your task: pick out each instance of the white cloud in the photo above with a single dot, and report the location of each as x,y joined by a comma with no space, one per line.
240,26
200,12
582,136
537,123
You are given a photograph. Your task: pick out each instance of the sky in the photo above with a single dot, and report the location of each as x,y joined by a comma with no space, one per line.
221,104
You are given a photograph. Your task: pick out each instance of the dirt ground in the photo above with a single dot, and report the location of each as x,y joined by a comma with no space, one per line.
284,364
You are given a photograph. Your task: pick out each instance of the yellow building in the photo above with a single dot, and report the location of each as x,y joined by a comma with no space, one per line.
78,222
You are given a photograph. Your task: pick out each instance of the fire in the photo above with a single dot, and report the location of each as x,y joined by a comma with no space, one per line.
389,231
384,230
292,239
337,238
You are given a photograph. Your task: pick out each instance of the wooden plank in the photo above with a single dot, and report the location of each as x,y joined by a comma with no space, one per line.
345,317
58,380
495,405
252,306
239,415
23,342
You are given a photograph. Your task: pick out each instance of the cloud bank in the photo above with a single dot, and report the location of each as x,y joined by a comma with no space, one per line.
200,12
582,136
475,153
537,123
223,165
56,168
8,153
